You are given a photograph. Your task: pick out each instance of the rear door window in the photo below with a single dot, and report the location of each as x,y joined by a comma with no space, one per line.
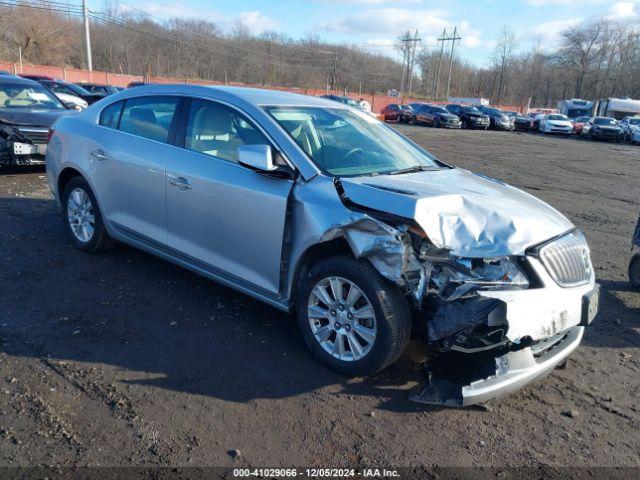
149,117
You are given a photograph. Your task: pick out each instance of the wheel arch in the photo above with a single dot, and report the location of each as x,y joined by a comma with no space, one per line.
312,255
65,177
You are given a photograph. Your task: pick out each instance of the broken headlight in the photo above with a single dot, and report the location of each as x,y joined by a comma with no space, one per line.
453,277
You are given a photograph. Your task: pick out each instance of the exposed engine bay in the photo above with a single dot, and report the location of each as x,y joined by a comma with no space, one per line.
466,328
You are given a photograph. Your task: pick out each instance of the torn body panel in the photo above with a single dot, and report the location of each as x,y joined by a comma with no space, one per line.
494,305
17,149
469,215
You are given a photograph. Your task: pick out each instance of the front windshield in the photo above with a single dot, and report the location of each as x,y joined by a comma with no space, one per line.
634,121
605,121
435,109
471,110
557,117
77,89
582,119
492,111
21,95
345,142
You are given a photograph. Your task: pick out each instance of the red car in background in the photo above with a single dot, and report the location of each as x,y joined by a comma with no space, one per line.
396,113
578,124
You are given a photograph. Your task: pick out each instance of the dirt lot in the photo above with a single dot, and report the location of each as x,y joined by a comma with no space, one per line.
123,359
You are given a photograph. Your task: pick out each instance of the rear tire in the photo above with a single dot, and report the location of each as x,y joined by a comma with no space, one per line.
634,270
83,218
387,327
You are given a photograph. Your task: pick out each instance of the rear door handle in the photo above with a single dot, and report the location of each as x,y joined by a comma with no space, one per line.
99,155
180,183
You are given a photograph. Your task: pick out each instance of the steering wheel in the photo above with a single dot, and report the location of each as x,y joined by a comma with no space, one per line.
353,151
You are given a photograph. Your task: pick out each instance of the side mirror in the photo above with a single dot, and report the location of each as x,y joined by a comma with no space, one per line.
258,157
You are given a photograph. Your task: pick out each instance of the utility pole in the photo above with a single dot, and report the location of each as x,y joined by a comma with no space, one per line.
412,59
453,43
408,60
87,36
334,72
441,39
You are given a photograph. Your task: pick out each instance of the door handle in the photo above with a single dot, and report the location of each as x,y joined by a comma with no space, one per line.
99,155
180,183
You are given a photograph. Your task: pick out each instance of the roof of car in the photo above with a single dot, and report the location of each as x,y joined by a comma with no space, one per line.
254,96
16,79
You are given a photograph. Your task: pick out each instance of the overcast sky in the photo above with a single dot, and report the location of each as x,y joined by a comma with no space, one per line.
375,24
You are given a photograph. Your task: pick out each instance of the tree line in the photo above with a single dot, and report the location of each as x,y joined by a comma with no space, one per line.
590,61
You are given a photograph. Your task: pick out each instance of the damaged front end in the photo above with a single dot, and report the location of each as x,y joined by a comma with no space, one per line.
473,309
16,148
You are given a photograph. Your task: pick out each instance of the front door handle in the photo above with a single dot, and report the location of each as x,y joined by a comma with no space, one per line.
180,183
99,155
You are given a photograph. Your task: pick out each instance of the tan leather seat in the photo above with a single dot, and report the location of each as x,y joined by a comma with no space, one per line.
213,133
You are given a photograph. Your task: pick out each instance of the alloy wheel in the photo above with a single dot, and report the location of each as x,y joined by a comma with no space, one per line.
80,215
342,319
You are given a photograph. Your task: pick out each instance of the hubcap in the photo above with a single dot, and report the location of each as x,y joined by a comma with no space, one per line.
342,319
80,215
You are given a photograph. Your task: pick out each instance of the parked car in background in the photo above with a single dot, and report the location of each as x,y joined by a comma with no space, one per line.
27,111
534,120
556,123
498,120
397,113
579,123
635,137
520,122
434,116
586,127
99,88
68,88
470,116
605,128
391,113
345,100
322,211
628,126
71,101
37,78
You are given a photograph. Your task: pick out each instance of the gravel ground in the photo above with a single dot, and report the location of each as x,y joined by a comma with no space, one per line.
123,359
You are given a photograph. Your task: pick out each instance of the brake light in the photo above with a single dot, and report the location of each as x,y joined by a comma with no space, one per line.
50,134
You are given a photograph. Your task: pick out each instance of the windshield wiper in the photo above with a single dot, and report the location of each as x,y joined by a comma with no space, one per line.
415,168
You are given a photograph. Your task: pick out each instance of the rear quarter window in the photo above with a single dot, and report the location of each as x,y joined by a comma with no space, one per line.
110,116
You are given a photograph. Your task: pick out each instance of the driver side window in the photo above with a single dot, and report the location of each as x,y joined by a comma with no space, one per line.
217,130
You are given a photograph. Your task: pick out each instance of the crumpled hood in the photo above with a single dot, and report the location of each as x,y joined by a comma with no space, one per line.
471,215
38,118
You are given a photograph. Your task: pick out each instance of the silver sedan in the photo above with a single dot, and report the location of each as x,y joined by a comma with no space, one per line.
321,210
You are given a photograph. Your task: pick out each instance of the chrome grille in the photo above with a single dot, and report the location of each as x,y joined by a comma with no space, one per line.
37,135
567,260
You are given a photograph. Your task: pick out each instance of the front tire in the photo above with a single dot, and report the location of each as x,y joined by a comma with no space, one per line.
353,320
83,218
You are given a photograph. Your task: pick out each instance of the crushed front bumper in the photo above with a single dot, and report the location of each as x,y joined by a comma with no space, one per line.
16,148
513,371
545,325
